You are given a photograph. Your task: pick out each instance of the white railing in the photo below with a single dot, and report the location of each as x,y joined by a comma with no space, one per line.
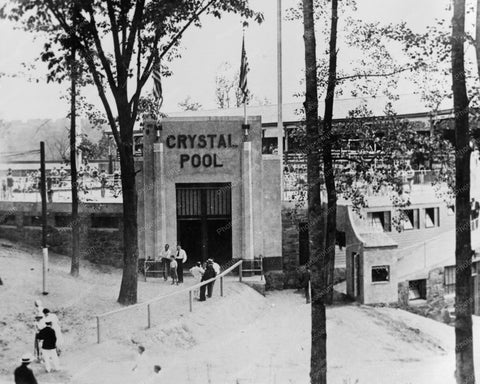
148,303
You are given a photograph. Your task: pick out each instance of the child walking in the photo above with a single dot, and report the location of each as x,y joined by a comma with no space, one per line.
173,270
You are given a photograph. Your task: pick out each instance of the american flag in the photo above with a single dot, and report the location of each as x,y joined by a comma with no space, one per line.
243,72
157,83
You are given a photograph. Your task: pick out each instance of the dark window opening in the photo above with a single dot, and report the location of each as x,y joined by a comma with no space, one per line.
269,145
417,289
6,219
63,221
105,222
450,210
410,219
32,221
380,220
138,146
449,279
432,217
380,273
303,244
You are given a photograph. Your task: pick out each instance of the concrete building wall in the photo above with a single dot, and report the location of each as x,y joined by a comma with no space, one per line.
379,292
272,215
102,245
212,150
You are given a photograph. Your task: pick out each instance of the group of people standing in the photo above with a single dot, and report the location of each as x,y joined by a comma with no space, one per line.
172,265
47,342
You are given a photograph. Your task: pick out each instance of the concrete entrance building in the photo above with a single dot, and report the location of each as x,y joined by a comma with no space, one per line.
204,182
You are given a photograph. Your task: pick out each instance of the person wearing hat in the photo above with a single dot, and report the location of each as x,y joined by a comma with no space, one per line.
49,347
49,316
209,274
23,374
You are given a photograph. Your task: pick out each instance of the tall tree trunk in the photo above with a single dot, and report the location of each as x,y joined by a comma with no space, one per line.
318,359
128,288
465,372
75,265
327,158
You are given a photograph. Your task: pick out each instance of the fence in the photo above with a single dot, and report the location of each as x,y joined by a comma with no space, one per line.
148,304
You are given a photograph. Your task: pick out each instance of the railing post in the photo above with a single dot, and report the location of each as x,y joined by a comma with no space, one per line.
307,293
190,300
240,272
221,286
149,324
98,330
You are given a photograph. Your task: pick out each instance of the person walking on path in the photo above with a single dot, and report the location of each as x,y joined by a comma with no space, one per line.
181,258
51,317
39,325
209,274
197,271
173,270
166,254
49,347
23,374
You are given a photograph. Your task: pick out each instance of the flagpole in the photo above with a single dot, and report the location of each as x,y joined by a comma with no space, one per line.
245,112
279,93
245,121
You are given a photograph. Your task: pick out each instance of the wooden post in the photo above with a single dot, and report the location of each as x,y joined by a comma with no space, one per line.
240,272
307,293
221,286
43,194
149,324
190,300
98,330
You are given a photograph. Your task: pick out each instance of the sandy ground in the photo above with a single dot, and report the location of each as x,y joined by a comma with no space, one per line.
240,338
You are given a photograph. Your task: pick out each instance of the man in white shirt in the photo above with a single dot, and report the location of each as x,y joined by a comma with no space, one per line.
197,271
165,258
181,258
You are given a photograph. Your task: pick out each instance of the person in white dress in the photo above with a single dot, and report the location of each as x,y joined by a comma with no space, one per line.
38,308
197,271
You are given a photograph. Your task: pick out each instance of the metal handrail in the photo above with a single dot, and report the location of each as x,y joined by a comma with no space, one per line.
154,300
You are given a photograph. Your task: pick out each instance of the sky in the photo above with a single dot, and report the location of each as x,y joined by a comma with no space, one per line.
202,53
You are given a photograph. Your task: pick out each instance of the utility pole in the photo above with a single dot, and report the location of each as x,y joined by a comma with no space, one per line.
75,264
43,194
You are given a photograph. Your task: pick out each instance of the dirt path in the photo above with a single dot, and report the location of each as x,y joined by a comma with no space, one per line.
240,338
